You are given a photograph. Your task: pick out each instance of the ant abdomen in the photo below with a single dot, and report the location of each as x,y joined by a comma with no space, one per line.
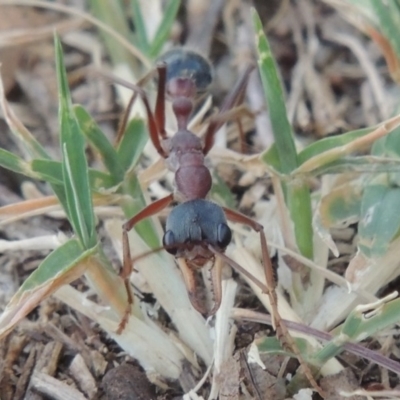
185,63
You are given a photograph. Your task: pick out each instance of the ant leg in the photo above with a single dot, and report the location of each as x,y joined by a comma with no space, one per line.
124,119
229,102
123,122
127,266
153,127
148,211
160,102
235,216
279,325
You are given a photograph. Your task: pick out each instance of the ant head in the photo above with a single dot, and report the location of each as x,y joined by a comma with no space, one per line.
184,64
194,225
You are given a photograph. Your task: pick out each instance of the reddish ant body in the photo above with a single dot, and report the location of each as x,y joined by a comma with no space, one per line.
196,229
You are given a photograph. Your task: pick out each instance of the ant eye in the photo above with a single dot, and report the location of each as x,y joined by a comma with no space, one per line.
224,235
169,241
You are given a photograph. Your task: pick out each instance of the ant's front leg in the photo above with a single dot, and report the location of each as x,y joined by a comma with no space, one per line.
155,122
127,266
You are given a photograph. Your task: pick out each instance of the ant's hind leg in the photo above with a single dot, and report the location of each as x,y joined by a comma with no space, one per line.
160,102
230,101
152,122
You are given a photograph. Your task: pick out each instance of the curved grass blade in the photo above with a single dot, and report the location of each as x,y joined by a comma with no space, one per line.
74,164
329,143
133,203
164,28
112,14
14,163
97,138
132,144
140,37
357,144
297,194
362,323
272,345
62,266
51,171
361,164
129,150
273,92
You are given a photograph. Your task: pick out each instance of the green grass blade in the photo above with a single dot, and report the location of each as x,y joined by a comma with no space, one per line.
164,28
299,204
62,266
51,171
75,169
99,180
126,156
329,143
388,146
361,164
112,13
100,142
383,317
140,38
74,198
271,158
282,130
297,194
359,327
14,163
221,192
58,262
132,144
135,202
380,219
272,345
341,205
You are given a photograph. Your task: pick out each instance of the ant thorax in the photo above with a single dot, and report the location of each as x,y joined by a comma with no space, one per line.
181,144
186,159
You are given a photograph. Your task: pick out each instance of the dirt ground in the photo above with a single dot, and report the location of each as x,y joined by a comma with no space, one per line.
56,353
